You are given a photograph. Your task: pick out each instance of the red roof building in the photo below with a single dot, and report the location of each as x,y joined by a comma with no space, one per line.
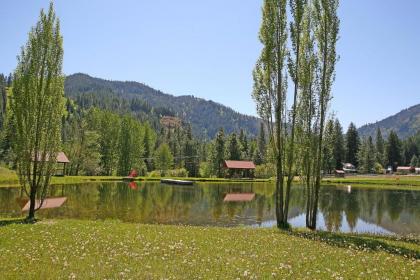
62,158
239,164
61,161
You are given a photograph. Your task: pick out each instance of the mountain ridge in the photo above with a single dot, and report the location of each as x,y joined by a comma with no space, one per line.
405,123
205,116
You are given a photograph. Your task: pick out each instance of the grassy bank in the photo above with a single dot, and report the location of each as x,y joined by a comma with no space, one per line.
384,181
53,249
8,178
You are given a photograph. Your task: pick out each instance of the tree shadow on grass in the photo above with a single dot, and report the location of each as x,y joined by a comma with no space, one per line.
389,244
19,221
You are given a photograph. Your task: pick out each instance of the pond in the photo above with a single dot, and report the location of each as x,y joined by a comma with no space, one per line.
218,204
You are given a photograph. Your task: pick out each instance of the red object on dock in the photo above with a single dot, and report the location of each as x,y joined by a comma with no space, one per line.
133,173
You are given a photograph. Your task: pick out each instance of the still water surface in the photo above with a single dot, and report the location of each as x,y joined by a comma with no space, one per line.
340,208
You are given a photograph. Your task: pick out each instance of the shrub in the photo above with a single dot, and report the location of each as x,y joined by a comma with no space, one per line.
154,173
205,170
265,171
378,168
181,172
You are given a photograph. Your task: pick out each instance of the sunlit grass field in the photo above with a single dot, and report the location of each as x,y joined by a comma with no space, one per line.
54,249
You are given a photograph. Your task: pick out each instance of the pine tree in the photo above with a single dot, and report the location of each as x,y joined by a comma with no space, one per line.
244,145
352,144
366,155
393,150
414,161
191,154
409,149
219,152
3,102
339,152
329,160
9,80
233,151
380,147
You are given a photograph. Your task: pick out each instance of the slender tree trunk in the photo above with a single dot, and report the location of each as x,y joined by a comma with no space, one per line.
321,132
292,136
32,201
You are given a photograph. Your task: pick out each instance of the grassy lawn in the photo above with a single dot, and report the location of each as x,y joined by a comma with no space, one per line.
53,249
378,181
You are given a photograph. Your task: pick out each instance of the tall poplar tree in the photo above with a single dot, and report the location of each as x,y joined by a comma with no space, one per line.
270,86
326,37
262,145
38,106
297,9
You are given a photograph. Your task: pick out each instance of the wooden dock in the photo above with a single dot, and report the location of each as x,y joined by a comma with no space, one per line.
176,182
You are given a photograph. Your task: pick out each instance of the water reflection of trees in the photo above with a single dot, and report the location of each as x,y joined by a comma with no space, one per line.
371,205
203,204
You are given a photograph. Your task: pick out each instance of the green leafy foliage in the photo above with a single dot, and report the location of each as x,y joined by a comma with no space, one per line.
164,159
38,106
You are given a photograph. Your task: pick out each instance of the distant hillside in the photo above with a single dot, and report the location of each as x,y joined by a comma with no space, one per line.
405,124
206,117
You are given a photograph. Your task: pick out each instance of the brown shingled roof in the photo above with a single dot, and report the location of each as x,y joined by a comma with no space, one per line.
61,158
239,164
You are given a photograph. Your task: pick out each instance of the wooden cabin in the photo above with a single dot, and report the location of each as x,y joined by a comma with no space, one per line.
61,163
239,168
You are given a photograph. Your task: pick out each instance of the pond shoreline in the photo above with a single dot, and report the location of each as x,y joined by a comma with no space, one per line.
390,183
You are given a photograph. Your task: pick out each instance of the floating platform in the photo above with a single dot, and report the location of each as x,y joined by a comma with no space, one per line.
176,182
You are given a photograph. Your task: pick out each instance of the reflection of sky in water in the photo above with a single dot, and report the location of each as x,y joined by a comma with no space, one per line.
361,226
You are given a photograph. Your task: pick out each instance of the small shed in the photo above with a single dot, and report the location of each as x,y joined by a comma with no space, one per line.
405,169
349,168
240,167
61,161
340,173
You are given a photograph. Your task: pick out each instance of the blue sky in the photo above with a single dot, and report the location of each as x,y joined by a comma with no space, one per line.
209,48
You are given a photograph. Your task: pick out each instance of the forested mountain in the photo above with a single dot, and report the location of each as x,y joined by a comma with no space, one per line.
205,116
406,123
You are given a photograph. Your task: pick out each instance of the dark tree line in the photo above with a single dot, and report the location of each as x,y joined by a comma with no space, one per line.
369,154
